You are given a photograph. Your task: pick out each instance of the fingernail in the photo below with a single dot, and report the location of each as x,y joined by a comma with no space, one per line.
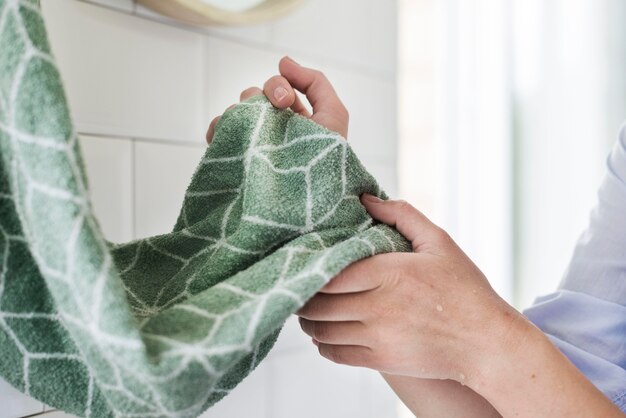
371,198
280,93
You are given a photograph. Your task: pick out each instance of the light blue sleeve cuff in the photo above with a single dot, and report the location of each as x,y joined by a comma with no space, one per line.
591,332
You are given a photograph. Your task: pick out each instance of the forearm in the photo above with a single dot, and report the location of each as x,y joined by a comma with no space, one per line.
530,378
525,375
432,398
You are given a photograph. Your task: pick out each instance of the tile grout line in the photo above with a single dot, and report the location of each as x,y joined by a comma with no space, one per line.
266,46
153,140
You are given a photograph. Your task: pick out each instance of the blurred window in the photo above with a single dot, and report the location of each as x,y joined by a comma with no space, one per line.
507,110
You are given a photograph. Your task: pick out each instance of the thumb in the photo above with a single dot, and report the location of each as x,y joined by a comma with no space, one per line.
410,222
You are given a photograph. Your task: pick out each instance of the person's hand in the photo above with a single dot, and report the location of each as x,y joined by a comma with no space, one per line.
432,313
426,314
328,110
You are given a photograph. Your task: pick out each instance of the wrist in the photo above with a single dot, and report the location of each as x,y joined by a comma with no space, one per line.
527,376
511,336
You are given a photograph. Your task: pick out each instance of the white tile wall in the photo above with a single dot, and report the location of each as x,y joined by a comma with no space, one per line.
356,33
371,103
125,75
260,35
162,174
143,90
306,385
385,174
291,338
379,399
110,174
14,404
231,67
249,399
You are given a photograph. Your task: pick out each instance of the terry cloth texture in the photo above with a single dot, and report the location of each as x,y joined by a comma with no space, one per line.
164,326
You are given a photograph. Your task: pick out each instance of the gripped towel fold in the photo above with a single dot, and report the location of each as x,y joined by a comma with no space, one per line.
164,326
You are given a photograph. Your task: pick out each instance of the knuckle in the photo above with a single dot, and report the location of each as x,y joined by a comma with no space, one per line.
441,235
272,81
403,205
378,337
303,313
277,79
319,75
332,354
313,306
309,310
396,276
321,331
378,362
383,310
304,325
248,91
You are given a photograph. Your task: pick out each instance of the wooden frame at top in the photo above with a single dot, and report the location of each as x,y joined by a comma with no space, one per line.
199,13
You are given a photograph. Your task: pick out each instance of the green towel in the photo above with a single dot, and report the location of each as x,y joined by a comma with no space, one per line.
168,325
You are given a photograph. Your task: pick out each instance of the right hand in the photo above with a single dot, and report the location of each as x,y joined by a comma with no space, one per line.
328,110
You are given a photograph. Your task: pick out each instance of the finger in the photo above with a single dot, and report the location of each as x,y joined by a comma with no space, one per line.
250,92
300,108
338,333
343,307
211,131
351,355
328,110
279,92
314,84
410,222
361,275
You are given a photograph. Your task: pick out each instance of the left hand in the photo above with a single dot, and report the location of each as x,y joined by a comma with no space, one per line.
426,314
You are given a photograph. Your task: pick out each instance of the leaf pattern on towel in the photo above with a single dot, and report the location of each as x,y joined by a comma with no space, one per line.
168,325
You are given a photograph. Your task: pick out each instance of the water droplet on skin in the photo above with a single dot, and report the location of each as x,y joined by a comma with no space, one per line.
439,308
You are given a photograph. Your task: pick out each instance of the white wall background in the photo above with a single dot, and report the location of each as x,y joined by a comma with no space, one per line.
455,125
508,111
570,100
142,91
